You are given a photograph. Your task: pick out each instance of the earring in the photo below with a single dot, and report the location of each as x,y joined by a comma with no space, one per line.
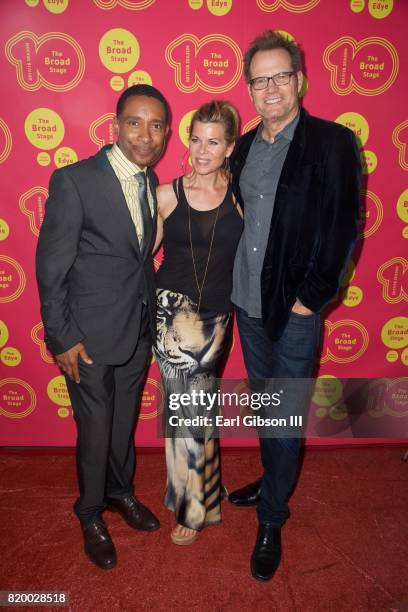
226,167
183,162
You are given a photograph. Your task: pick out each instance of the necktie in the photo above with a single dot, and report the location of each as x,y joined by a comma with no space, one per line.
145,209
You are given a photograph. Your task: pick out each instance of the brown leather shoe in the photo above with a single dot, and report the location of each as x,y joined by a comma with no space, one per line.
98,545
134,512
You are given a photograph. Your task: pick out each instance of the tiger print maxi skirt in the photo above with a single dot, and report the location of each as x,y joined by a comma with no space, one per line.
189,350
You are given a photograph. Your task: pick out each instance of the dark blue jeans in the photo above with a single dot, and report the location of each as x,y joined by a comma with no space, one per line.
292,356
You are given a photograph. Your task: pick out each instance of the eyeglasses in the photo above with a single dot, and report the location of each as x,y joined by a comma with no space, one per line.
282,78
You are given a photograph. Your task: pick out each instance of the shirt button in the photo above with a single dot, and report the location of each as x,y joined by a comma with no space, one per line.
261,196
254,248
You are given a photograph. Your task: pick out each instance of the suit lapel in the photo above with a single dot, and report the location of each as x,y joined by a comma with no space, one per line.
117,202
294,154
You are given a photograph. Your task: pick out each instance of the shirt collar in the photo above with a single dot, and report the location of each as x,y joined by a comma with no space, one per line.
124,166
287,132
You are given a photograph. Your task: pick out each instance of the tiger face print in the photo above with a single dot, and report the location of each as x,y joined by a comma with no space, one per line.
186,343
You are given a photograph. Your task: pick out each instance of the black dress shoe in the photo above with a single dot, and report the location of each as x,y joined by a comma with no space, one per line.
98,545
248,495
134,512
266,555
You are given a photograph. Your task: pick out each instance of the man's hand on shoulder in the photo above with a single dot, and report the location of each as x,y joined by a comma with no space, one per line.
68,361
300,309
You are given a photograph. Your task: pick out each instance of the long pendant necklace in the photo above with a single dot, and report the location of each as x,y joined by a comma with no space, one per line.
200,287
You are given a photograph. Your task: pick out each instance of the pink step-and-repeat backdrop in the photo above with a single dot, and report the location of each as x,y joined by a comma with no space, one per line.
63,64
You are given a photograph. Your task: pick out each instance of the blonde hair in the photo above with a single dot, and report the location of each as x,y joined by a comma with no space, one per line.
219,111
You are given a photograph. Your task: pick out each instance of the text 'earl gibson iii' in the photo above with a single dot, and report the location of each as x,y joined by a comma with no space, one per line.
247,421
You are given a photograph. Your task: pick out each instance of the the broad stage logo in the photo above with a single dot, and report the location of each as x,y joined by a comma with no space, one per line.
6,141
17,398
400,140
368,67
131,5
371,213
212,63
393,276
32,205
293,6
345,341
101,131
54,61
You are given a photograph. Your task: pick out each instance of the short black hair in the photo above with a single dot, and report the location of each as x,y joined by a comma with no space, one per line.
142,90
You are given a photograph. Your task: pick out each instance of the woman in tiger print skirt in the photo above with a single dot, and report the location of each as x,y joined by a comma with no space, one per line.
200,225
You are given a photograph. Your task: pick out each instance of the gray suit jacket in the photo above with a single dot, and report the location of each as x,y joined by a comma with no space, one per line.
91,275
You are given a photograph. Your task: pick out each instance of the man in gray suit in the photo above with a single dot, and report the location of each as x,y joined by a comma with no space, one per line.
96,283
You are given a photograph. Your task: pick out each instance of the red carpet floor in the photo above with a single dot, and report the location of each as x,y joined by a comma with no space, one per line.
345,546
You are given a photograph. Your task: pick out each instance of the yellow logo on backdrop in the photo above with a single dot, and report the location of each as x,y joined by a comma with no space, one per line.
152,400
402,211
131,5
6,141
219,7
117,83
10,356
346,340
119,50
17,398
44,128
402,206
43,159
357,123
64,157
4,334
371,213
328,391
37,336
369,161
212,63
102,131
293,6
54,61
139,77
368,67
57,391
394,333
377,9
32,204
393,277
382,9
56,6
184,127
400,140
352,296
12,279
357,6
4,229
195,4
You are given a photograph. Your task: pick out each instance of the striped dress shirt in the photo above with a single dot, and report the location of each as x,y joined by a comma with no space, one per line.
125,170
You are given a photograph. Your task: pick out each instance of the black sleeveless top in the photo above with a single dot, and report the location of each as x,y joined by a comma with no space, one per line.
177,272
